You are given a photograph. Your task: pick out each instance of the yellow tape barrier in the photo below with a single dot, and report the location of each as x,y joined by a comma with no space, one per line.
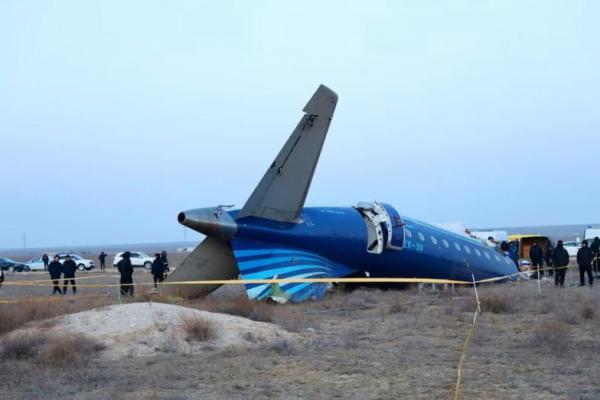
463,355
280,281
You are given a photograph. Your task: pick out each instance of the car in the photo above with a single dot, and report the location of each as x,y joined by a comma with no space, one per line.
591,233
83,264
572,247
8,264
36,264
138,259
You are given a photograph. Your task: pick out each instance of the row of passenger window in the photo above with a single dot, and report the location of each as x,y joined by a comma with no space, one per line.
466,248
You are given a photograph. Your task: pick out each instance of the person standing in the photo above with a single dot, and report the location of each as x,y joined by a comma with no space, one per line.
102,258
595,247
55,269
548,257
158,270
165,262
69,267
536,254
126,270
584,260
560,259
1,277
513,252
46,260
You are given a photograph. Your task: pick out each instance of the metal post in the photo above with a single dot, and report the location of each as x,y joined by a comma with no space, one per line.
538,281
119,292
476,294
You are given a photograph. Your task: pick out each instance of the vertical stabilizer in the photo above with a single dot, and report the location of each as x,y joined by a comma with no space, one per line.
281,193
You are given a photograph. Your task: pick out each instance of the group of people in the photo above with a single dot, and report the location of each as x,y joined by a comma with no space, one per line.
159,266
557,260
67,270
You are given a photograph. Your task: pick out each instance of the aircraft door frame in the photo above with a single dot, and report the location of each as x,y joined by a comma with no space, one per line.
379,227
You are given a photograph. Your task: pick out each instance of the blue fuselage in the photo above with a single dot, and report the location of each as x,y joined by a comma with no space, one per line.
340,235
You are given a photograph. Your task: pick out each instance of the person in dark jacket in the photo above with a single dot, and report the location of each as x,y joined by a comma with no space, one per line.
1,277
548,257
595,247
584,260
158,269
560,260
102,258
536,254
513,251
46,260
69,267
165,262
126,270
55,269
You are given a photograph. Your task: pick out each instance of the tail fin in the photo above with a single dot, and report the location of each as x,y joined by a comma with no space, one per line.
211,260
281,193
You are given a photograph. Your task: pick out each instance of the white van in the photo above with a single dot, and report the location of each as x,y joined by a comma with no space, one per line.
590,234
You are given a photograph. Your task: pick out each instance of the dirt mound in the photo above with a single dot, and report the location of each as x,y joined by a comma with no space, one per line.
144,329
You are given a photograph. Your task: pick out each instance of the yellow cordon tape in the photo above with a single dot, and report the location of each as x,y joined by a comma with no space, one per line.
47,282
463,355
33,281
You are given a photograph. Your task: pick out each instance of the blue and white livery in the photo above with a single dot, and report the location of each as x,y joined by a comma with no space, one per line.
274,236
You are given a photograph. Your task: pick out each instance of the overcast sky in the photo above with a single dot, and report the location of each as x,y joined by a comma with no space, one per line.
114,116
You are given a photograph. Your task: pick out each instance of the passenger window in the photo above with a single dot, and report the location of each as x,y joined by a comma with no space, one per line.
478,252
408,234
457,246
467,249
497,257
433,239
487,255
421,237
446,244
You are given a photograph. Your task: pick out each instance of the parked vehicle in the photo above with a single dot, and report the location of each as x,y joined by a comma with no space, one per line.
36,264
525,243
83,264
572,247
590,234
138,259
8,264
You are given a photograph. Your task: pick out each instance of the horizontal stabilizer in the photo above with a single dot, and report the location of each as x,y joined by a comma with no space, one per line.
211,260
281,193
261,260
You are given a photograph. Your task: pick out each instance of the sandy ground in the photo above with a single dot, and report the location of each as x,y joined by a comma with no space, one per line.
366,344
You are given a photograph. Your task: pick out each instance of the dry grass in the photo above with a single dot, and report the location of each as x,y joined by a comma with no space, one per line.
13,316
51,351
565,313
552,334
397,305
588,310
196,328
497,303
70,350
282,347
289,320
239,306
23,347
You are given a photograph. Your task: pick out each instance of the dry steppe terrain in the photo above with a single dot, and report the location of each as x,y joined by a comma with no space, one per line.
363,344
